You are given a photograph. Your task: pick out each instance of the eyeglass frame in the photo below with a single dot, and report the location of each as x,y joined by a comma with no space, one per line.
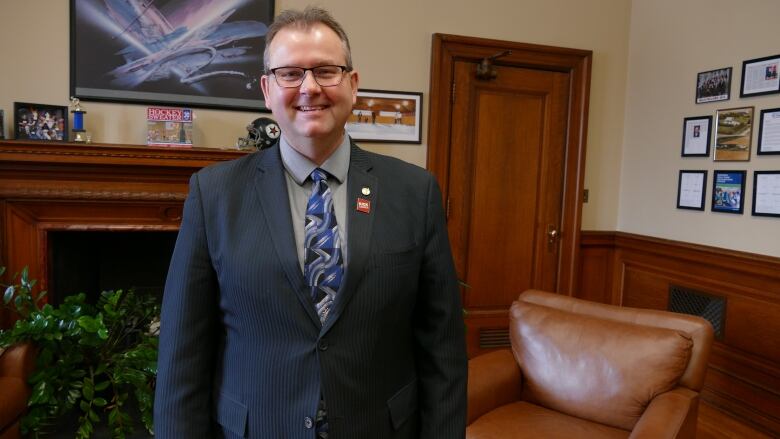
344,69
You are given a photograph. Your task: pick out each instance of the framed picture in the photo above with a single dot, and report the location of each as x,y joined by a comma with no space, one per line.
760,76
766,193
386,116
769,132
207,53
691,188
713,86
2,124
728,188
696,136
735,132
40,122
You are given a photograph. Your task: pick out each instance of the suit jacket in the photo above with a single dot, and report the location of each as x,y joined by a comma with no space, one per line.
242,350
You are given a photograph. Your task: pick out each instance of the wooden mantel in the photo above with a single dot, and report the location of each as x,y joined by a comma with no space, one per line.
56,186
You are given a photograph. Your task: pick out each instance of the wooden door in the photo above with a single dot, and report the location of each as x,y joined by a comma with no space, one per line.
507,181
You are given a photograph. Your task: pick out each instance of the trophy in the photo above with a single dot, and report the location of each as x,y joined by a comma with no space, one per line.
79,133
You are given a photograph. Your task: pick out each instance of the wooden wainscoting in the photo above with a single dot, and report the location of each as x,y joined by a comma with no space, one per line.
744,375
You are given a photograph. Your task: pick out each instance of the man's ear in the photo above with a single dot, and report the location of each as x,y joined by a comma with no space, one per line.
354,80
264,85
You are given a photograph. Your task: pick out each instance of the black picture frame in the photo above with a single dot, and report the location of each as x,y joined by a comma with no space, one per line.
769,132
40,122
697,134
713,85
691,189
728,191
2,124
760,76
209,56
385,116
766,193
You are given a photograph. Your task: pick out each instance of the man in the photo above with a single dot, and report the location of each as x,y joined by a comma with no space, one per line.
311,293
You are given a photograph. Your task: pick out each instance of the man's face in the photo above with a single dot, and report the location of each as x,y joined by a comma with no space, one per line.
309,114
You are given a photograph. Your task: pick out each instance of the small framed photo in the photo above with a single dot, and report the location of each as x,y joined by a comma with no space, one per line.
40,122
2,124
696,136
760,76
769,132
735,132
691,189
728,188
713,86
386,116
766,193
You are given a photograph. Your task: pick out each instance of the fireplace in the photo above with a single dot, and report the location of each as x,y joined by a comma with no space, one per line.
92,198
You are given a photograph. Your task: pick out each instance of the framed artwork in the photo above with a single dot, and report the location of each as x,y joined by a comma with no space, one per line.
760,76
386,116
728,189
713,86
40,122
766,193
769,132
691,188
696,136
2,124
190,53
735,132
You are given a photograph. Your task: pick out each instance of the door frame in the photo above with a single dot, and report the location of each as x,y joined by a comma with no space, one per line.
446,49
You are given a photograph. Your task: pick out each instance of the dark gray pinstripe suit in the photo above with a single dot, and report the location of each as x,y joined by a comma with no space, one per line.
242,351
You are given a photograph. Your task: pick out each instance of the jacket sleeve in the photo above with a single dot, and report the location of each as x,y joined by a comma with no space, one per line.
188,331
439,331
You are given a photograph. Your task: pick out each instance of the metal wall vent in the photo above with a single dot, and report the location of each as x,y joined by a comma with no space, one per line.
494,338
687,301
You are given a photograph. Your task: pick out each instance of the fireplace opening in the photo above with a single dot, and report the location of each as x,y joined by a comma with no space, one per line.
96,261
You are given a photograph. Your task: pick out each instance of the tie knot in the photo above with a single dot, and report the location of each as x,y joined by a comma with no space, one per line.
318,175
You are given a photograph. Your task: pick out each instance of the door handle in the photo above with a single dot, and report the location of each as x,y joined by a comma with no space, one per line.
552,234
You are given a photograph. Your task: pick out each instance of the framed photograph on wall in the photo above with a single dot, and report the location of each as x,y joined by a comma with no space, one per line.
760,76
713,86
769,132
728,189
40,122
734,134
766,193
696,136
2,124
386,116
691,189
205,54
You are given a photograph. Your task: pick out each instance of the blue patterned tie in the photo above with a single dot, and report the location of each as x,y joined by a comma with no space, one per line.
323,265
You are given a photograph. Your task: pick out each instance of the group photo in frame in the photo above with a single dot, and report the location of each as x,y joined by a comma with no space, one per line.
766,193
691,189
189,53
713,85
769,132
728,190
386,116
734,134
760,76
40,122
696,136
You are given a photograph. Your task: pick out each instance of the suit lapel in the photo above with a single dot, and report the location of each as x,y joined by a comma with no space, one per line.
271,189
359,226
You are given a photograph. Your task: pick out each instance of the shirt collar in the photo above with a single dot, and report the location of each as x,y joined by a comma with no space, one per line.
299,167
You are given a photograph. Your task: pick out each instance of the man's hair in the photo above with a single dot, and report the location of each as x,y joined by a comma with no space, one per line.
304,20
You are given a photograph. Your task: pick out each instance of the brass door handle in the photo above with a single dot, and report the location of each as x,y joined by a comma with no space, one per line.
552,234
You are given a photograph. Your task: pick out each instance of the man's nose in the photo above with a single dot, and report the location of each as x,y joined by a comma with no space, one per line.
309,84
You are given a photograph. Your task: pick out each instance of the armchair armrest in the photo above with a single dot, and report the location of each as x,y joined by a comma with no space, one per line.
669,415
18,361
495,379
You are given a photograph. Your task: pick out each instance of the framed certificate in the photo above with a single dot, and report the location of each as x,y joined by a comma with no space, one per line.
766,193
769,132
760,76
728,189
691,189
696,136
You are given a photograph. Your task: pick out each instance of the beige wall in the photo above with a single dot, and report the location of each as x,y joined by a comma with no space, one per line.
671,41
391,46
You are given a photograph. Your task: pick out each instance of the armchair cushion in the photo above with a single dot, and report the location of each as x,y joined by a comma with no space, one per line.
578,364
14,400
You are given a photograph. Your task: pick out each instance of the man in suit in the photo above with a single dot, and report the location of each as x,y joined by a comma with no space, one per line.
284,321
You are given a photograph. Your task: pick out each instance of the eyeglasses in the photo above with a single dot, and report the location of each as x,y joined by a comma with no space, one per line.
325,76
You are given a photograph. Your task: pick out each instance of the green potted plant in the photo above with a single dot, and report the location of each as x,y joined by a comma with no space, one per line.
93,359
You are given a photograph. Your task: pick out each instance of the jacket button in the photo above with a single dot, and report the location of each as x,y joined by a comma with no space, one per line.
307,422
323,345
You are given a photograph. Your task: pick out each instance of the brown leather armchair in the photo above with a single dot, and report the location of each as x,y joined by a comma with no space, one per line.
16,365
580,369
